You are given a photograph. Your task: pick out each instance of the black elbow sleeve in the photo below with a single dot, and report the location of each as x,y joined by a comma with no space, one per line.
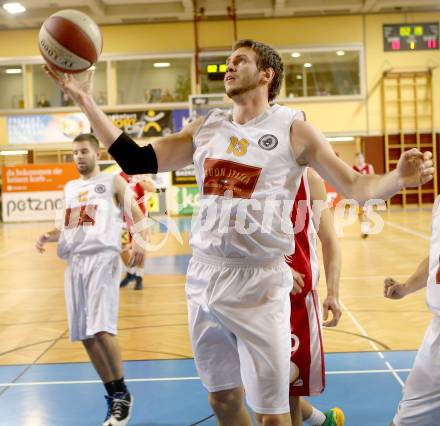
132,158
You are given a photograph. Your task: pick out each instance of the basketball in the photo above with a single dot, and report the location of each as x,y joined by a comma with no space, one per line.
70,41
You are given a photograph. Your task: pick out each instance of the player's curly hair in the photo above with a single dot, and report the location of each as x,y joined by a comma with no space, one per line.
267,57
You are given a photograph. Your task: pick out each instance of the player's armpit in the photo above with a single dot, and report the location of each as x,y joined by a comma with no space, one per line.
298,141
176,151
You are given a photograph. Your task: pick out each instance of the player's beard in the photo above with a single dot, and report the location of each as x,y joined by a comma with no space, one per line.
248,84
86,167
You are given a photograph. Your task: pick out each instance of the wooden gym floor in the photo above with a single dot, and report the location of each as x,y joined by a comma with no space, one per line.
153,323
46,381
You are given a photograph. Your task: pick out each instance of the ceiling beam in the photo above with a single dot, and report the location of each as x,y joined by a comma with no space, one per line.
403,4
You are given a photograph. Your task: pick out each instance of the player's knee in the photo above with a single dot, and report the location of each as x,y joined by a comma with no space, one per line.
293,373
227,401
270,419
88,343
102,335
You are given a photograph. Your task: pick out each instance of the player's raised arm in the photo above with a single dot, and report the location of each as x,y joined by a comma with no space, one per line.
165,154
311,147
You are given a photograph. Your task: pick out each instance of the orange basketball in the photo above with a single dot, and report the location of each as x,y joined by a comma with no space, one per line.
70,41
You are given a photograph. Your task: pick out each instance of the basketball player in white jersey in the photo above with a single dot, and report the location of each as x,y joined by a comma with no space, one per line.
89,239
248,164
420,404
364,168
310,217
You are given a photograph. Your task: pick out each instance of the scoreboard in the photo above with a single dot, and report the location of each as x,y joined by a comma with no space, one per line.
398,37
216,71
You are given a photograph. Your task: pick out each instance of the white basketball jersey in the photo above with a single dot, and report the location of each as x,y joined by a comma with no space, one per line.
433,288
92,220
248,178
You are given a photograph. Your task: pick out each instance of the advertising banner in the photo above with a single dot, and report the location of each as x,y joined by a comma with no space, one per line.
64,127
143,124
187,200
185,176
34,192
46,128
180,119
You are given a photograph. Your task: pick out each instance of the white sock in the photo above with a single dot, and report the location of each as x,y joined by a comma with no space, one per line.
316,419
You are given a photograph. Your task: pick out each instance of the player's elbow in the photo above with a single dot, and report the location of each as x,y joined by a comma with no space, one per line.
357,190
132,158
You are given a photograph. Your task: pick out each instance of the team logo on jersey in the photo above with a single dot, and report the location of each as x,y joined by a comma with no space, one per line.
100,188
229,178
80,216
237,147
268,142
83,196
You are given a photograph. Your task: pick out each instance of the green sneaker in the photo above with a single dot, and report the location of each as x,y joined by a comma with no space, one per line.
334,417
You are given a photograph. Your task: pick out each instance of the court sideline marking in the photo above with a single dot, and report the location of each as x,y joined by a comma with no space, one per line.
29,366
349,313
184,378
407,230
357,323
372,343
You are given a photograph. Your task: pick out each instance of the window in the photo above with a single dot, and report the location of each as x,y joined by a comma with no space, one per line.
100,83
11,86
335,72
212,71
143,81
48,94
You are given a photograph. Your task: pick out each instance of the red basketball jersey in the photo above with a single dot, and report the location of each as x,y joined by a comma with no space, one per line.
305,257
138,191
305,319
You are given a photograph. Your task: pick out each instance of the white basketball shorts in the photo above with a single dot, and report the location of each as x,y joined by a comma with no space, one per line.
420,405
239,312
91,287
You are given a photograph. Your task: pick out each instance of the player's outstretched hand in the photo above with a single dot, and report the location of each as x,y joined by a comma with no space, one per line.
415,168
331,303
298,282
393,289
76,89
41,242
